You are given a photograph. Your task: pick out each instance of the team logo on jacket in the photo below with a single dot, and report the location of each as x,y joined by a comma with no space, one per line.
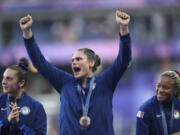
176,114
25,110
140,114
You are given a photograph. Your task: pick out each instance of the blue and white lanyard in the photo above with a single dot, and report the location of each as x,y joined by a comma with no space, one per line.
85,106
164,122
8,103
7,106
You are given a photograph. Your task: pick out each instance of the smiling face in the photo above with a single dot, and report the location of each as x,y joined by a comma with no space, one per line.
165,89
81,66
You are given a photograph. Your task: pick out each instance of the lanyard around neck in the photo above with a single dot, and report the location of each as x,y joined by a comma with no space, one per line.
164,122
85,106
8,105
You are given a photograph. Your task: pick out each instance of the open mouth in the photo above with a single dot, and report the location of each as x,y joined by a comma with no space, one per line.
76,70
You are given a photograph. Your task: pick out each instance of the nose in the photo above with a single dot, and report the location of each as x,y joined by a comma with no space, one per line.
3,81
74,62
160,89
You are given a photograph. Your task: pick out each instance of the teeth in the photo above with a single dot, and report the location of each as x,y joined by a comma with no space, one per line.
76,69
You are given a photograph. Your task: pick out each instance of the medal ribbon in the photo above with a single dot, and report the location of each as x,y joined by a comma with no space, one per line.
165,129
7,106
85,107
11,128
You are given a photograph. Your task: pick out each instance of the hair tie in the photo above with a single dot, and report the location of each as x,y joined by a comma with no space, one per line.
23,66
177,72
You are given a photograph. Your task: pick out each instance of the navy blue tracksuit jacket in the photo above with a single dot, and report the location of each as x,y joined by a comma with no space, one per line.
100,108
149,118
32,121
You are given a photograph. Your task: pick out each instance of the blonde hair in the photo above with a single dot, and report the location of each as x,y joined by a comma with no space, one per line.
176,77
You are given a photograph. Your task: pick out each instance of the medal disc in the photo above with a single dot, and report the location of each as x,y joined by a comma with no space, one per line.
85,121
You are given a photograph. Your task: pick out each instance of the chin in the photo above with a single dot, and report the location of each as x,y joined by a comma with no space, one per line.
77,76
5,91
161,99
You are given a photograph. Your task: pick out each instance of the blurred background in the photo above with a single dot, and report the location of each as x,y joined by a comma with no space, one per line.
62,26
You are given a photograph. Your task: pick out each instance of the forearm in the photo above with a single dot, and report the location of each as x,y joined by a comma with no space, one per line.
125,54
113,74
27,34
124,30
124,57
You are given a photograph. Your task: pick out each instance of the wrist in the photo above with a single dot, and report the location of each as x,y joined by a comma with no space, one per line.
8,119
27,34
124,30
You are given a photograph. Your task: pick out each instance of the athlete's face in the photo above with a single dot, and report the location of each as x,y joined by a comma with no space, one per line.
165,89
81,66
10,82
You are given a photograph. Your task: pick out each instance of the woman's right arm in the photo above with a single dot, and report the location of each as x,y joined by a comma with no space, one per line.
54,75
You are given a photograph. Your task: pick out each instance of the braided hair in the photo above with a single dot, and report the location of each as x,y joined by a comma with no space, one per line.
175,75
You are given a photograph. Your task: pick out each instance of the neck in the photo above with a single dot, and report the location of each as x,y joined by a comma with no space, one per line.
84,80
168,101
16,95
84,83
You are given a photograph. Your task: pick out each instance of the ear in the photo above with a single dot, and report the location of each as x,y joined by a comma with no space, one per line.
21,83
91,63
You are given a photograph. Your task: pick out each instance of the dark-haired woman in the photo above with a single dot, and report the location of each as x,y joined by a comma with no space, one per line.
19,113
86,98
160,115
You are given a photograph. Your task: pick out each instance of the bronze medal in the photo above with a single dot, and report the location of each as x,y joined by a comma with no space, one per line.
85,121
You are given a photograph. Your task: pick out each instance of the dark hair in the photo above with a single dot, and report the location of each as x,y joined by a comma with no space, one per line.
22,69
91,56
176,76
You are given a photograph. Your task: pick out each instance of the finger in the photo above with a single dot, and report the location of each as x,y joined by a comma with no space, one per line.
122,14
15,114
15,109
29,16
24,20
14,117
13,104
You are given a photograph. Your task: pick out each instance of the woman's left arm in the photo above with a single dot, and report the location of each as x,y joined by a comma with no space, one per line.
113,74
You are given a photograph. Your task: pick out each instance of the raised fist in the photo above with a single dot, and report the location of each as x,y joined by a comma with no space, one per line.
122,18
26,22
